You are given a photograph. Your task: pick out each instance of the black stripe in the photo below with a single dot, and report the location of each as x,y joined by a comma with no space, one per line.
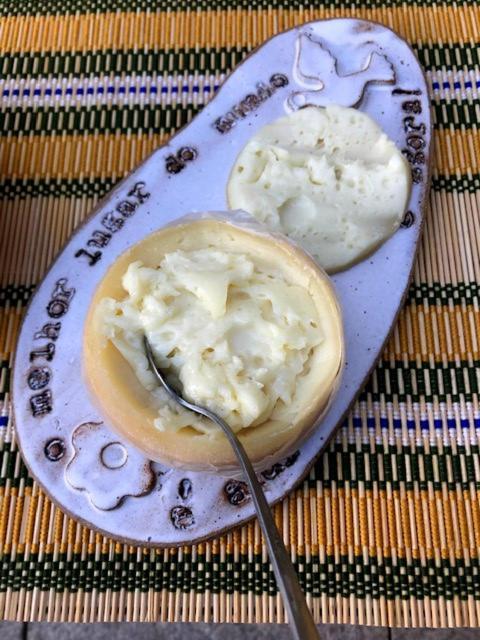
37,64
60,7
96,119
99,187
15,295
411,381
94,187
108,61
136,119
458,184
333,575
429,294
345,464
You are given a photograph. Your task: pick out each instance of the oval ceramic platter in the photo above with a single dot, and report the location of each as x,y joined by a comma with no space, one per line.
69,448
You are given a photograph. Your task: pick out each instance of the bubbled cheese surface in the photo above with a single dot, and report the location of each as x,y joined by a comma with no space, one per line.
233,331
329,178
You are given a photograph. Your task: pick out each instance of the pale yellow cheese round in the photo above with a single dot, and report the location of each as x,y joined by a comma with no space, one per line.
247,325
329,178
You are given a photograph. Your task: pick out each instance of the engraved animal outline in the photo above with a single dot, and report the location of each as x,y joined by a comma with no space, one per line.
328,86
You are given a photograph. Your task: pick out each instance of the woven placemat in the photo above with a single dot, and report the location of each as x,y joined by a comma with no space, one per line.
386,529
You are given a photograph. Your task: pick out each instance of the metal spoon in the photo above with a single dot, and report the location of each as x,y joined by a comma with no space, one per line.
299,615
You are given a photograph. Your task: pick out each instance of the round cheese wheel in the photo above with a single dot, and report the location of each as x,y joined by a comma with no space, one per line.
244,322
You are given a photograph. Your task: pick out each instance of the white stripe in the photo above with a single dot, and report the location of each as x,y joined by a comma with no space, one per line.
424,415
108,90
185,89
391,434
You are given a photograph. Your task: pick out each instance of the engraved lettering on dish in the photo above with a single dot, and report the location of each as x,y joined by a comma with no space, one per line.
46,352
279,467
99,239
61,298
50,330
415,138
174,163
237,492
182,517
41,403
61,291
250,103
55,449
39,376
113,221
406,92
185,488
408,220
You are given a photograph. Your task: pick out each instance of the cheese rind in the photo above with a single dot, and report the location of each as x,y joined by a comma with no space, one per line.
235,334
123,388
329,178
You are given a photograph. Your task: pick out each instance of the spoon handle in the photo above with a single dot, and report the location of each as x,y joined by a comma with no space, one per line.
299,616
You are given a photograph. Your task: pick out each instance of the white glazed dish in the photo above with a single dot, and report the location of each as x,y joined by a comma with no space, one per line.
69,449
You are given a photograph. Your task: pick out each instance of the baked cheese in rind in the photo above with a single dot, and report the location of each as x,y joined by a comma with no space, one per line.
329,178
244,321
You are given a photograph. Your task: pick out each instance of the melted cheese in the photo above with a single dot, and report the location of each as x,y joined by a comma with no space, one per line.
327,177
235,333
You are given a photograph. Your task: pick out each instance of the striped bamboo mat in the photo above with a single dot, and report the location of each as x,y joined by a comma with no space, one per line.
386,530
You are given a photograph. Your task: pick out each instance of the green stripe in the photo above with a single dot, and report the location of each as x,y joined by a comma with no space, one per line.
448,56
99,187
109,61
15,295
436,293
460,294
36,64
456,113
93,187
396,381
404,381
136,119
60,7
346,463
333,576
89,120
456,184
5,378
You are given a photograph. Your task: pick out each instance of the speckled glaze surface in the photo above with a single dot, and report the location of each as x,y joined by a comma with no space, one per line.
68,446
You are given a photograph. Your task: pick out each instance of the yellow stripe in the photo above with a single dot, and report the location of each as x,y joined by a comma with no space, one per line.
10,320
76,156
457,151
461,322
5,503
399,529
219,28
106,155
332,506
